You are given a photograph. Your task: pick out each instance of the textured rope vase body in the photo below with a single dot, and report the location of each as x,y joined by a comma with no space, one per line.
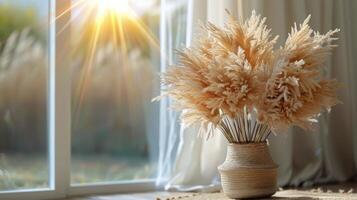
248,171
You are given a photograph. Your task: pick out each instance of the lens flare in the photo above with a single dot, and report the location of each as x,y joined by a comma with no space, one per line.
118,22
120,8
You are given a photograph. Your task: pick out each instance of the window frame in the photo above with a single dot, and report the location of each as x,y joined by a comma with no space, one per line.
59,123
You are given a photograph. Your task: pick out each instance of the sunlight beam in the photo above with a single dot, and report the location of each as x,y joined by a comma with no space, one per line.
146,33
120,8
73,6
84,81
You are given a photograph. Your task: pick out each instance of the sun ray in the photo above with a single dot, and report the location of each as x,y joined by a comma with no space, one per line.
123,49
85,78
68,10
146,33
112,21
113,28
123,45
83,15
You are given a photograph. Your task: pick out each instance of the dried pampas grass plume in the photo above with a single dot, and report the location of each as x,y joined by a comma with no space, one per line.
295,92
234,81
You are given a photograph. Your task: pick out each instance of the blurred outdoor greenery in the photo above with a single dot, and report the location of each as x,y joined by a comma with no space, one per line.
14,18
31,172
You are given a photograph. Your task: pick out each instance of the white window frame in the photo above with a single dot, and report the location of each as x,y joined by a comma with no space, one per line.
59,123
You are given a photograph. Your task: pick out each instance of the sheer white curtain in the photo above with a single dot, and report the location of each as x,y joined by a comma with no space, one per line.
328,154
173,34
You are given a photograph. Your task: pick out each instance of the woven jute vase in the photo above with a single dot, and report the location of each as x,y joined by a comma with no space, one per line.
248,171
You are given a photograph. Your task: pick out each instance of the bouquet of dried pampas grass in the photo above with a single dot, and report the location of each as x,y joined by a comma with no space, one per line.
233,80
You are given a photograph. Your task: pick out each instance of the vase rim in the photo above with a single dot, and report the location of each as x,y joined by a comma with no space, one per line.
248,144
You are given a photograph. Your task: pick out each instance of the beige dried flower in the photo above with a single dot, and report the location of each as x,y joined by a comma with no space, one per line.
233,72
295,92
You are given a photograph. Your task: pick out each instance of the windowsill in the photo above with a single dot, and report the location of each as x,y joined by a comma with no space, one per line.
132,196
334,191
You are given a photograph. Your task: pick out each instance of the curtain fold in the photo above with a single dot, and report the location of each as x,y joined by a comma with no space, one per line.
327,154
194,168
173,35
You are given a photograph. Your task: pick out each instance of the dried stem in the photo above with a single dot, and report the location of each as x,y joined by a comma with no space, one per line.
243,129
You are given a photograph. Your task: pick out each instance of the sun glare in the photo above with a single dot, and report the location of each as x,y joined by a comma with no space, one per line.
116,22
116,7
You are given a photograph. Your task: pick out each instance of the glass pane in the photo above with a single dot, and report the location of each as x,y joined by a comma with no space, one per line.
114,77
23,94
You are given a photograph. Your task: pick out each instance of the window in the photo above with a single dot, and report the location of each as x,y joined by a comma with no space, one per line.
76,80
115,63
23,99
